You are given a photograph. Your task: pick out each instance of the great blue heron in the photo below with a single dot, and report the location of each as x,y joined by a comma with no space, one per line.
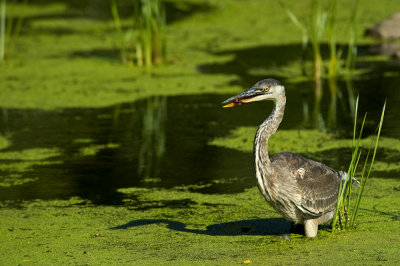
302,190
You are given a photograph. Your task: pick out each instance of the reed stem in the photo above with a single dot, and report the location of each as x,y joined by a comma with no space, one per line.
118,27
3,6
345,216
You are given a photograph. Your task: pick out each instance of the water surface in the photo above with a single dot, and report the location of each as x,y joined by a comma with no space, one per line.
161,142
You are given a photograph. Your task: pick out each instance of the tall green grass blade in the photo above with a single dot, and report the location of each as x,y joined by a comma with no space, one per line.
344,189
3,6
151,18
305,34
297,22
349,190
118,27
355,121
352,44
344,217
9,25
362,186
20,20
317,27
370,166
333,62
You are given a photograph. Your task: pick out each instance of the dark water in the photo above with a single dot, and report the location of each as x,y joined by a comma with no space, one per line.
163,141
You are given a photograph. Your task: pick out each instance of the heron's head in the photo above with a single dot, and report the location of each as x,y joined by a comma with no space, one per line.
267,89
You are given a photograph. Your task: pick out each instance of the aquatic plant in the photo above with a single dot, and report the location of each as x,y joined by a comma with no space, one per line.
316,28
148,47
352,43
312,30
346,212
122,42
331,31
10,26
150,17
322,22
2,29
302,27
320,26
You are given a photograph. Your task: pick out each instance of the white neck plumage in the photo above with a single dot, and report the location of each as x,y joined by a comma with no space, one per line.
263,167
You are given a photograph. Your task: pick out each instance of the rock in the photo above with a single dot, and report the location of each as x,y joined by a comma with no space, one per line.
386,29
386,48
396,55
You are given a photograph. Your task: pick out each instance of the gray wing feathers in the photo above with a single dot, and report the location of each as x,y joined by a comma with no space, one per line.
318,186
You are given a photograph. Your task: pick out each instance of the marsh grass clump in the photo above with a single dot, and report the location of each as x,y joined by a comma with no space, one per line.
321,26
142,43
318,29
346,210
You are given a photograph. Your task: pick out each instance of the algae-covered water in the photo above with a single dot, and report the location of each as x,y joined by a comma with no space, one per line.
95,151
102,163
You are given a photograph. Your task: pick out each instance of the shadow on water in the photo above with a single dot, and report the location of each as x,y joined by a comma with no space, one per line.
97,10
100,9
250,63
156,142
333,110
273,226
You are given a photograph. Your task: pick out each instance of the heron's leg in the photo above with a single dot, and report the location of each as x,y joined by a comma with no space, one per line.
311,227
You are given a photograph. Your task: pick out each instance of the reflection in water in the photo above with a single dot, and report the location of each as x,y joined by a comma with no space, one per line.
332,111
249,66
93,152
318,121
351,96
325,106
5,120
153,137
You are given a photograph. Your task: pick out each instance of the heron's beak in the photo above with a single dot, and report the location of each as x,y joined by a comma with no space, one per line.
244,97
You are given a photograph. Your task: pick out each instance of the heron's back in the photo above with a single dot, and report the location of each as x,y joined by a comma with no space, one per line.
309,188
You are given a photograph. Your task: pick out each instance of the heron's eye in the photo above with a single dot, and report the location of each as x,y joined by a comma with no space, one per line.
266,88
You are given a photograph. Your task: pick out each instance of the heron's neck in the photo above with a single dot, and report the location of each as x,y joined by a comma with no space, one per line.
265,130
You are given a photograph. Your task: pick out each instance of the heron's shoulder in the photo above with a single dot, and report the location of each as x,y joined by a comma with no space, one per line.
295,161
290,157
